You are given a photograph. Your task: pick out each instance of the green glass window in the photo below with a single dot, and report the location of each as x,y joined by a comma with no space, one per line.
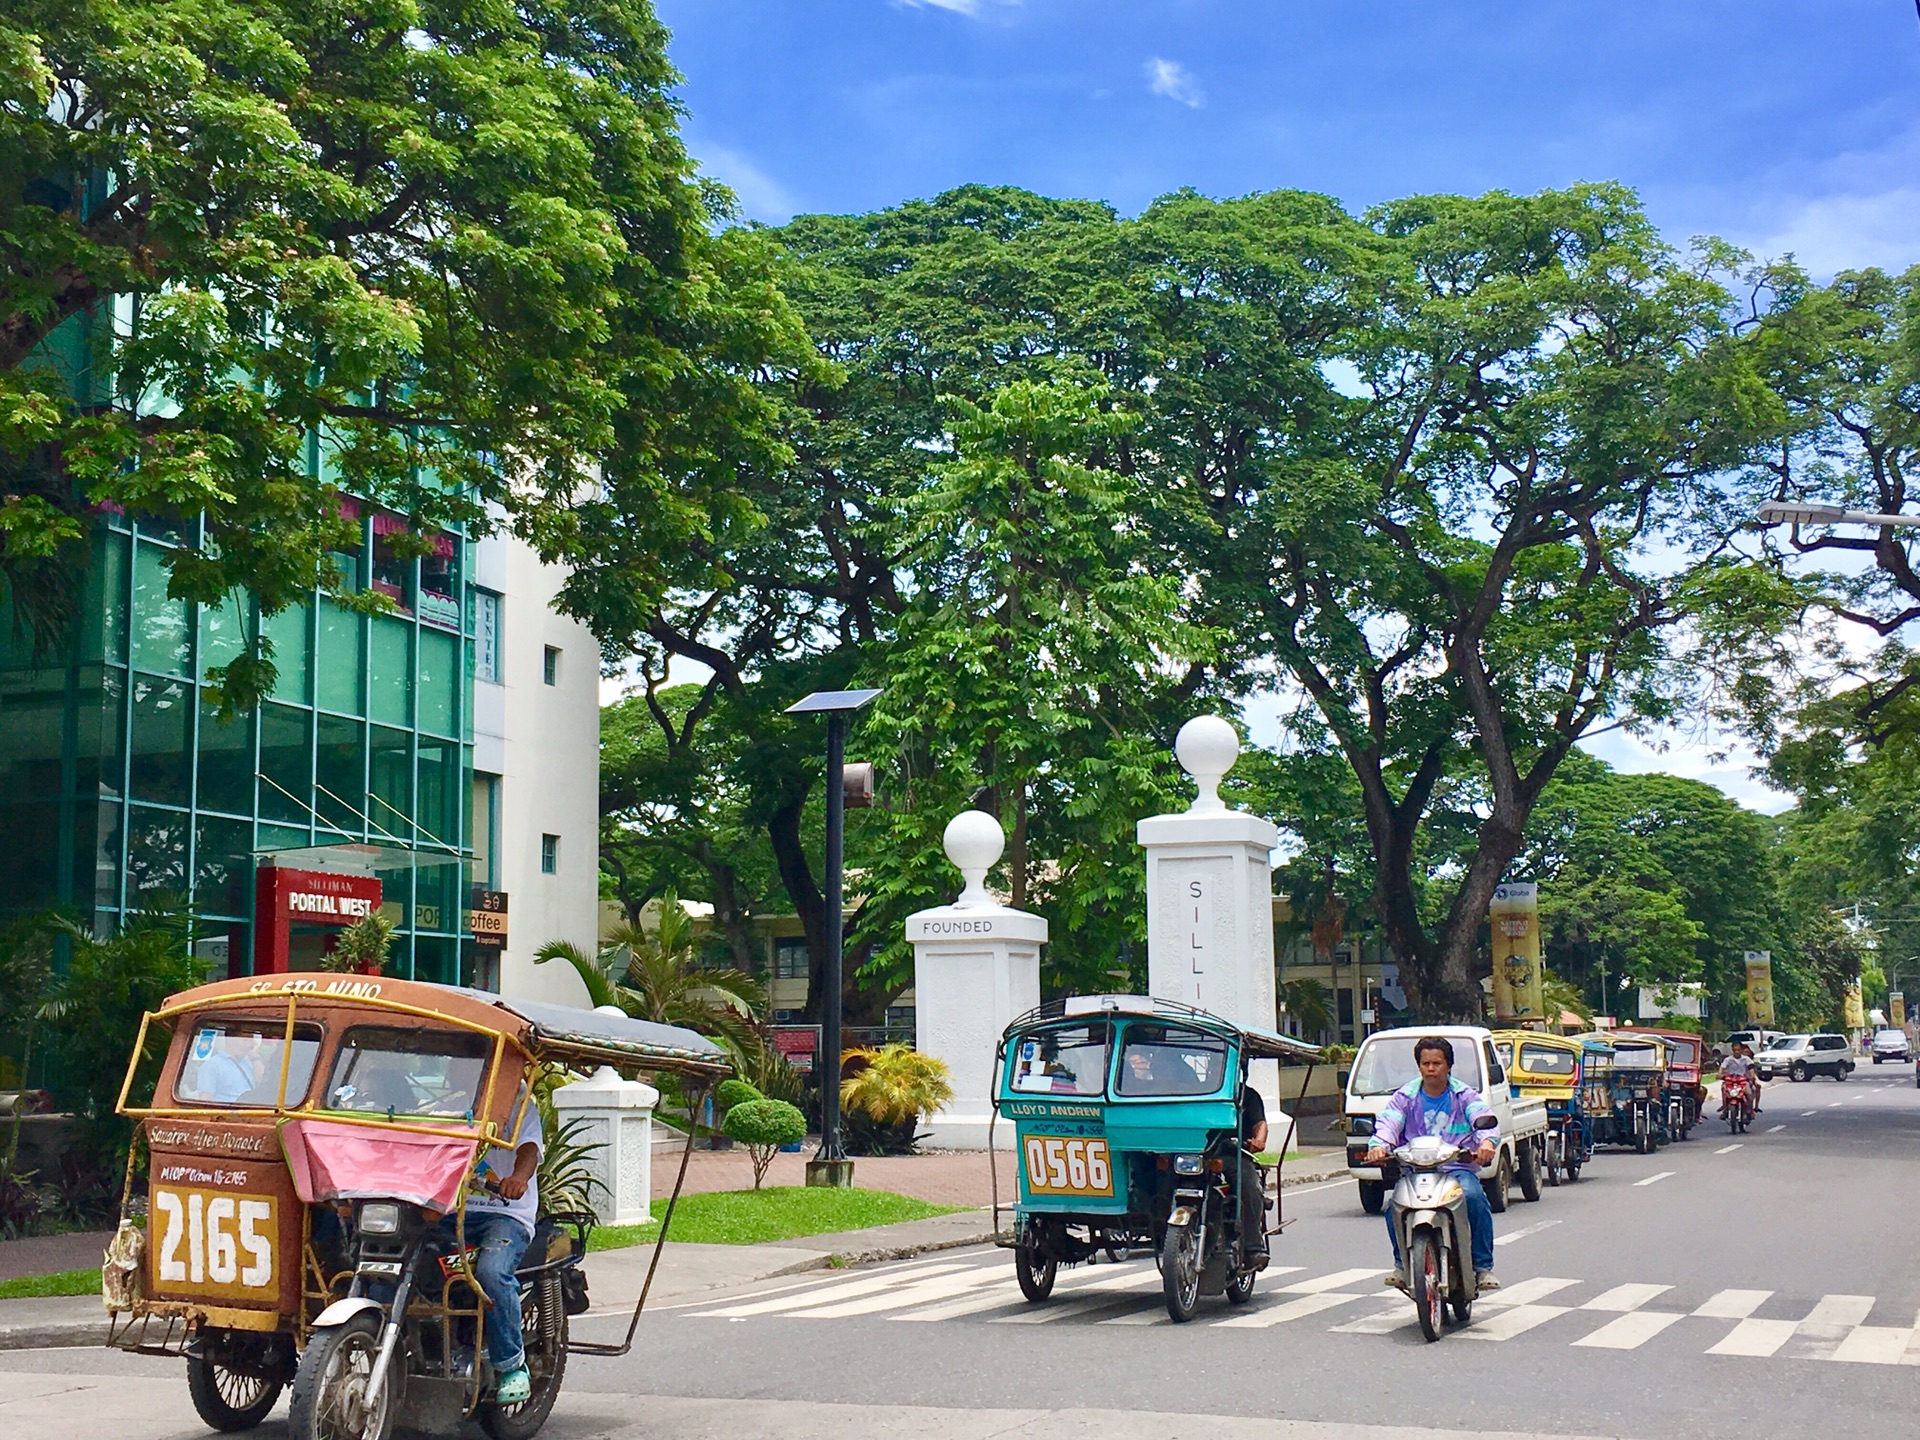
436,960
156,850
342,660
439,680
222,866
226,761
100,727
390,675
33,709
99,859
287,632
162,744
104,606
440,800
286,770
223,629
390,805
29,878
162,641
340,759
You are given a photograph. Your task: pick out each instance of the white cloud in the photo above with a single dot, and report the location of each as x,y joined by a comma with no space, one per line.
1173,80
1844,232
958,7
761,197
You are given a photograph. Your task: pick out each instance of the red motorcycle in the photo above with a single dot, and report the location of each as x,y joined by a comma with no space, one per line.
1737,1101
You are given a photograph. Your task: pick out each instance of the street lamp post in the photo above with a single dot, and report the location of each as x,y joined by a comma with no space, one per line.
1805,512
831,1166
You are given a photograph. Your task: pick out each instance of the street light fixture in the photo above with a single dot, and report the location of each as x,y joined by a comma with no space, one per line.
831,1166
1806,512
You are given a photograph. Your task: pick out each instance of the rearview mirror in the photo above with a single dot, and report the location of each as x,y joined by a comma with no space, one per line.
1486,1122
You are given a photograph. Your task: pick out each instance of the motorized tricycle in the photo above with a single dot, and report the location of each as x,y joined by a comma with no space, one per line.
309,1142
1683,1091
1554,1068
1127,1114
1430,1222
1637,1093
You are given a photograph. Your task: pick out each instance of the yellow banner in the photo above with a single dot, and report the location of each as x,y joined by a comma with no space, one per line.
1897,1008
1759,987
1856,1013
1514,916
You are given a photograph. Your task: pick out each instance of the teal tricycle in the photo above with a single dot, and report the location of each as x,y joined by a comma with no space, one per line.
1130,1120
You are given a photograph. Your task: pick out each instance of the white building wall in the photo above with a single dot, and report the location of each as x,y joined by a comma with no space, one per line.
543,742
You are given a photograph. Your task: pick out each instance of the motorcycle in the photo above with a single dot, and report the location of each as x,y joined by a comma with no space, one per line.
1430,1222
1736,1095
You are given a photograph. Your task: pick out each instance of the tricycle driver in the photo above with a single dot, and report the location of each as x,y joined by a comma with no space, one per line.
1253,1194
1439,1105
499,1226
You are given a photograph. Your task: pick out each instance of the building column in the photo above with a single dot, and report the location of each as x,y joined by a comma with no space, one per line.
616,1116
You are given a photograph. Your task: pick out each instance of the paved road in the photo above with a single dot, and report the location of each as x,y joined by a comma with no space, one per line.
1718,1288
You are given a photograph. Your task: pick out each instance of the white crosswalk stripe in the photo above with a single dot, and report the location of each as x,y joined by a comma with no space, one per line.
1545,1308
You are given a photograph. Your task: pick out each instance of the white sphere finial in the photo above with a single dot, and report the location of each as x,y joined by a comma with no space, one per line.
1207,746
973,841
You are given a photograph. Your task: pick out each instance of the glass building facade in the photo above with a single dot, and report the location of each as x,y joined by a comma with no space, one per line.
121,782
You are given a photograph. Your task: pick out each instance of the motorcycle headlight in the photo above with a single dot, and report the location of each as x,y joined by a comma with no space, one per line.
382,1217
1188,1165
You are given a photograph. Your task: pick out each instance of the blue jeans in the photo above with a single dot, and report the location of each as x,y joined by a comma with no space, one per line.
1479,1222
498,1241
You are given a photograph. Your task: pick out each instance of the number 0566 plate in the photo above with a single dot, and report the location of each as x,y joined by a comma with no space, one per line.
1062,1165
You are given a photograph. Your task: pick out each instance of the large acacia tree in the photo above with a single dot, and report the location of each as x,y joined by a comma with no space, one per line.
456,246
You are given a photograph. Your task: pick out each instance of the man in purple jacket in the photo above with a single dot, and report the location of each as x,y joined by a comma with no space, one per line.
1438,1104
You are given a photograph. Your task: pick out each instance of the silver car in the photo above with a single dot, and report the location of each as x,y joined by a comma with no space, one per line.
1891,1044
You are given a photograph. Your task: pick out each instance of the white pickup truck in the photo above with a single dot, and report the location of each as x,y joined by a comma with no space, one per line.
1385,1062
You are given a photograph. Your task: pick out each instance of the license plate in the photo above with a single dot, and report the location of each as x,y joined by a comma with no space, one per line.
1063,1165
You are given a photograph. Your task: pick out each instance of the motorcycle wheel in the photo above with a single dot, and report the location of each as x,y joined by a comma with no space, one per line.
543,1317
1035,1272
329,1390
1573,1170
1180,1271
1240,1287
1428,1303
1373,1196
1502,1188
226,1399
1530,1172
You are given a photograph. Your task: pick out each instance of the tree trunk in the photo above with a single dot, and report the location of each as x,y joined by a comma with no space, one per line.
803,892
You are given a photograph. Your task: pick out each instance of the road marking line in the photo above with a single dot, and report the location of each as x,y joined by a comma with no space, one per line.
1505,1324
1873,1345
1729,1149
1836,1104
1061,1309
1654,1179
1525,1292
1384,1323
1320,1284
1625,1297
1733,1304
943,1287
1631,1330
993,1298
1912,1357
1827,1326
1840,1310
1775,1129
1313,1189
831,1294
1758,1339
1297,1309
1524,1231
1804,1114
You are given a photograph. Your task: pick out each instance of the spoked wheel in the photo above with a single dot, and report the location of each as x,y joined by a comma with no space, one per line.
1035,1271
1428,1302
1240,1286
330,1400
543,1318
1573,1169
1118,1254
1180,1271
1551,1167
227,1399
1461,1307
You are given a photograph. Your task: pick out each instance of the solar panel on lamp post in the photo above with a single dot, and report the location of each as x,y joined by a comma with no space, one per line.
831,1166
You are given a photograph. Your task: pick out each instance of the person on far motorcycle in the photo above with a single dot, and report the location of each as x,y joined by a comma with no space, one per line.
1739,1066
1439,1105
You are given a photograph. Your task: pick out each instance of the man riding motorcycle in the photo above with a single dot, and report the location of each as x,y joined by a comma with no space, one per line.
1437,1104
1737,1070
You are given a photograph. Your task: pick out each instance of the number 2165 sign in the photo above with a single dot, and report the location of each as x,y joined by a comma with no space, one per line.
212,1242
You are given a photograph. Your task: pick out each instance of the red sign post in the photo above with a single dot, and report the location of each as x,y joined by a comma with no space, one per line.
284,897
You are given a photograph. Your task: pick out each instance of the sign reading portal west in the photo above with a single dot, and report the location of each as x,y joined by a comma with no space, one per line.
1514,915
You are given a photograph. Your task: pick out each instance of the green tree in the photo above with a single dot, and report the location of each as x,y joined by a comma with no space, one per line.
458,247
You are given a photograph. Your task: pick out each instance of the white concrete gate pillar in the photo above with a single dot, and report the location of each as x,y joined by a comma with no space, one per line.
618,1117
976,965
1210,901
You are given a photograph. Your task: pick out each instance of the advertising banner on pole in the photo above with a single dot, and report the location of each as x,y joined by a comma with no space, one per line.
1514,917
1897,1008
1759,987
1856,1013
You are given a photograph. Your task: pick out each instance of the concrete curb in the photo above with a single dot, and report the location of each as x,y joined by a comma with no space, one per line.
54,1334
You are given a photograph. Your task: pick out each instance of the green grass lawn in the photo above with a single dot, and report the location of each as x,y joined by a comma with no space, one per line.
39,1287
779,1212
1267,1157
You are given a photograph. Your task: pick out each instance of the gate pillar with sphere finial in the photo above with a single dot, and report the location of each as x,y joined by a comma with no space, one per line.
976,965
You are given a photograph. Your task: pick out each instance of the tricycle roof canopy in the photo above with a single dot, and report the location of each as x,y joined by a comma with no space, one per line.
1262,1044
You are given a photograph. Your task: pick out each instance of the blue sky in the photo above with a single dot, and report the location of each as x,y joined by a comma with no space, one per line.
1783,125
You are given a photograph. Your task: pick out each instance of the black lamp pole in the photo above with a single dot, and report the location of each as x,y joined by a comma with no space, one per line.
831,1166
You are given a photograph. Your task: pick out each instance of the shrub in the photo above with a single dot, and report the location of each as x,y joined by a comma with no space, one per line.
894,1087
763,1126
19,1205
362,947
80,1191
735,1092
